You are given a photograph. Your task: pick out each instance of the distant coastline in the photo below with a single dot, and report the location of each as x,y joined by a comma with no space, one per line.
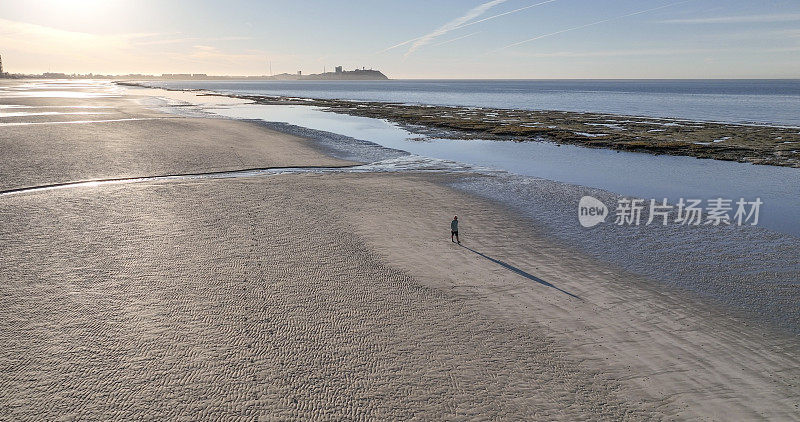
339,74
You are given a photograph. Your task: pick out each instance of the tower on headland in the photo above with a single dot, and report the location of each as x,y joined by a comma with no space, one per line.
1,65
339,74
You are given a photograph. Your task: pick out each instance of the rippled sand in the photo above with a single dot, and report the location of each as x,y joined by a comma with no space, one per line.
329,296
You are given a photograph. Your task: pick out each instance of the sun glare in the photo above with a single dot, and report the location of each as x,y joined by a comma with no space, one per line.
79,10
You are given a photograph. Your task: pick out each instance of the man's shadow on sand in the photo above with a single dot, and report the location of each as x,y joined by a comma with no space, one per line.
520,272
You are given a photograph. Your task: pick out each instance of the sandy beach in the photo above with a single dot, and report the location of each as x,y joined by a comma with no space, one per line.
324,295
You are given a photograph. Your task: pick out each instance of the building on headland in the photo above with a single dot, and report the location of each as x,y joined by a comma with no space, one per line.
362,74
1,65
339,74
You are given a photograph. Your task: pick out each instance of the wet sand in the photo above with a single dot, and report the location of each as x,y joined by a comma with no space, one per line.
330,296
129,140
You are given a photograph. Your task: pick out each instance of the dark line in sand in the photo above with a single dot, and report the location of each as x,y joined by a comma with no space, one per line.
166,177
83,122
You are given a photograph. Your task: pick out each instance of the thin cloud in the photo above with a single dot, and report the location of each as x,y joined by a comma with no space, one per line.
763,34
191,40
455,39
469,24
30,47
398,45
622,53
231,38
453,24
504,13
169,41
591,24
208,52
791,17
781,50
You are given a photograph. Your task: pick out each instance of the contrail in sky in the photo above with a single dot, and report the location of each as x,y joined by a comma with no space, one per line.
455,39
590,24
505,13
469,24
453,24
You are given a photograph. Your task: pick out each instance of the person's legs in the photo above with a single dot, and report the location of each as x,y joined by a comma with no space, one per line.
457,240
452,233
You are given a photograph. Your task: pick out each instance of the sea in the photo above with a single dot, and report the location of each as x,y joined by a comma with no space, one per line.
775,102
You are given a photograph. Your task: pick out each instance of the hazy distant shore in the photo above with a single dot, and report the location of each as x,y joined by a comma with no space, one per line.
756,144
329,295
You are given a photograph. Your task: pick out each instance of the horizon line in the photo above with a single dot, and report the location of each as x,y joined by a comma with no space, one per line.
211,77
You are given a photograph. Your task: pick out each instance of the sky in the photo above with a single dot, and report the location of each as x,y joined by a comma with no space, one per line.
459,39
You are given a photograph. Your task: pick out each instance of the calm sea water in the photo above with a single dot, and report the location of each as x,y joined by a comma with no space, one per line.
740,101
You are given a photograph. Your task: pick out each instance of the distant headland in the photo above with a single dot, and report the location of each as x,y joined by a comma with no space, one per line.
337,75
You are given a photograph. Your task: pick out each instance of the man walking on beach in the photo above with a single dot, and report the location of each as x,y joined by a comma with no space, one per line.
454,230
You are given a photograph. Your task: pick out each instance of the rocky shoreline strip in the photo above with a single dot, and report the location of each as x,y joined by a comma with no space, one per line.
746,143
